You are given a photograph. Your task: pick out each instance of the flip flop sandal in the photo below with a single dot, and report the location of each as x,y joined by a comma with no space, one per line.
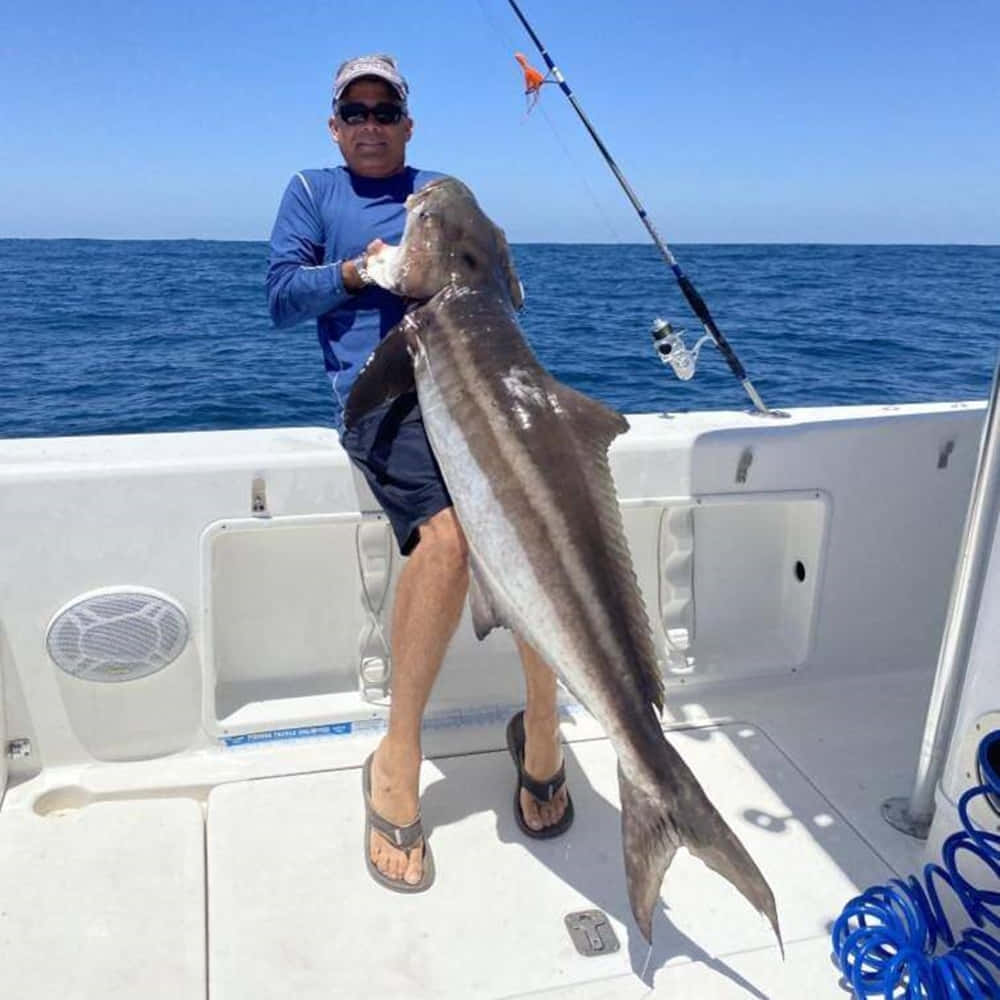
543,791
403,837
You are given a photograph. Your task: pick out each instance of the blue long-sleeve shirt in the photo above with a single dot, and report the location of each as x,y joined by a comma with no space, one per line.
326,217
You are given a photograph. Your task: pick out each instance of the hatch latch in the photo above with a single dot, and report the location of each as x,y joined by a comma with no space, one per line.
591,932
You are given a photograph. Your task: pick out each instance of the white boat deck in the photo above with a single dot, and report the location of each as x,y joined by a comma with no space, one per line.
161,837
115,895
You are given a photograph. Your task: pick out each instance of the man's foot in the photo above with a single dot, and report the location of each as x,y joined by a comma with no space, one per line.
542,757
395,788
543,808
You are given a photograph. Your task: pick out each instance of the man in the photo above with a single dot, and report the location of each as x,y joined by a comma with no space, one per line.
328,221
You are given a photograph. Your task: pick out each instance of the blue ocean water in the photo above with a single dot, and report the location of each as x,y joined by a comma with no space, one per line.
110,337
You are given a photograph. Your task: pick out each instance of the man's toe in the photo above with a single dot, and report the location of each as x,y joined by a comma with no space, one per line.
530,810
383,858
559,805
414,870
398,865
552,812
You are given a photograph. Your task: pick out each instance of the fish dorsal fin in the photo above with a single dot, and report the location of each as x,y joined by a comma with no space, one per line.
595,426
386,374
593,423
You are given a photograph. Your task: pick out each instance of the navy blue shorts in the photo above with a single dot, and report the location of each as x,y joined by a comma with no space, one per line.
390,446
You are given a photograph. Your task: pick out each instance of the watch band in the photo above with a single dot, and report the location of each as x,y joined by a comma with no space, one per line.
361,266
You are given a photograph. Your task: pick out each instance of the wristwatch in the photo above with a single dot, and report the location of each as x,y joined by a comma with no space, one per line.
361,266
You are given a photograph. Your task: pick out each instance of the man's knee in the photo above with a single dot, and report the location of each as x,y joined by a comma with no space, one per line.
442,538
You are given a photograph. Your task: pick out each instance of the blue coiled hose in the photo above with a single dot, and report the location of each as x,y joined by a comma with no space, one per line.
885,939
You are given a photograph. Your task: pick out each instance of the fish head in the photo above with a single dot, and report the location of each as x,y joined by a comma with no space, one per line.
449,240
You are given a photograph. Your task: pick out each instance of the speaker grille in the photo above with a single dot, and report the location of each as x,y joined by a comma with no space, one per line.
120,635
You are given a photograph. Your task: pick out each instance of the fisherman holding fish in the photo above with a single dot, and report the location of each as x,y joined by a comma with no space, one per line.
329,222
496,478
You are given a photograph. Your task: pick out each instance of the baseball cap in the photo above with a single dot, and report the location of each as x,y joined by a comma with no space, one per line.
380,65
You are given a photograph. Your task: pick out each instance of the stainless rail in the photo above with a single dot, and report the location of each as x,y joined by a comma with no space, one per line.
914,816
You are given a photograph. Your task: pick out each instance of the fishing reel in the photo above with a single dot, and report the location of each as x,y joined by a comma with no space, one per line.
672,350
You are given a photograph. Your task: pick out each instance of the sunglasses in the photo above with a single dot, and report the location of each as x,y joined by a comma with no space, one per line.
355,113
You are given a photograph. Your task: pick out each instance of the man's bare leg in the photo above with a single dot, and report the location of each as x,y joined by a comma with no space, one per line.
427,609
542,752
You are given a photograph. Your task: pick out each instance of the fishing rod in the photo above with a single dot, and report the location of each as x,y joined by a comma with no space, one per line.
669,343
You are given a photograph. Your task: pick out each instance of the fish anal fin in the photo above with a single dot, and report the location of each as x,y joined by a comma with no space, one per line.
387,373
485,616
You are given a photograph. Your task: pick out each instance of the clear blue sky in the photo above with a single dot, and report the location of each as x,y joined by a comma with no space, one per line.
735,120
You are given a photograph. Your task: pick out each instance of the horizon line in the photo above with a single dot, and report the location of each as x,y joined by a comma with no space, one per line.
596,243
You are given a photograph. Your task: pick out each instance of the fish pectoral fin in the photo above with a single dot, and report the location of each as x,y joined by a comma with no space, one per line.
387,373
485,616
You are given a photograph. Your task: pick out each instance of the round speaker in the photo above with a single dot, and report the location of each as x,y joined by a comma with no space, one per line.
117,634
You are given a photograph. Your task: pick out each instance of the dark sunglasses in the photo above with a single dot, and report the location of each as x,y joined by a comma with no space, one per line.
385,113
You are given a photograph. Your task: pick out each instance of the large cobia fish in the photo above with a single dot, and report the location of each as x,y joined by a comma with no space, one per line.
525,460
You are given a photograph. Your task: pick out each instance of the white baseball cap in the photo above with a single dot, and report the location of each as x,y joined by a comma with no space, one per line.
379,65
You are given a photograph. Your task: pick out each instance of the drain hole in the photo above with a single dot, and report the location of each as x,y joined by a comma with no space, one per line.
800,571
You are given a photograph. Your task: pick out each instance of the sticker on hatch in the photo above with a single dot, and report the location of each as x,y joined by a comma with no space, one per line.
294,733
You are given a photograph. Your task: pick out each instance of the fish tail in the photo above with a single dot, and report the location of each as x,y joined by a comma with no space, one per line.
649,846
654,826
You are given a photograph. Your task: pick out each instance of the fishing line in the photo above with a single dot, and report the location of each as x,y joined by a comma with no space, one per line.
645,966
508,41
583,177
694,300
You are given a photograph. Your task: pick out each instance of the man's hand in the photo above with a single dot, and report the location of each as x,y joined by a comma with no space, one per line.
352,278
382,259
377,268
